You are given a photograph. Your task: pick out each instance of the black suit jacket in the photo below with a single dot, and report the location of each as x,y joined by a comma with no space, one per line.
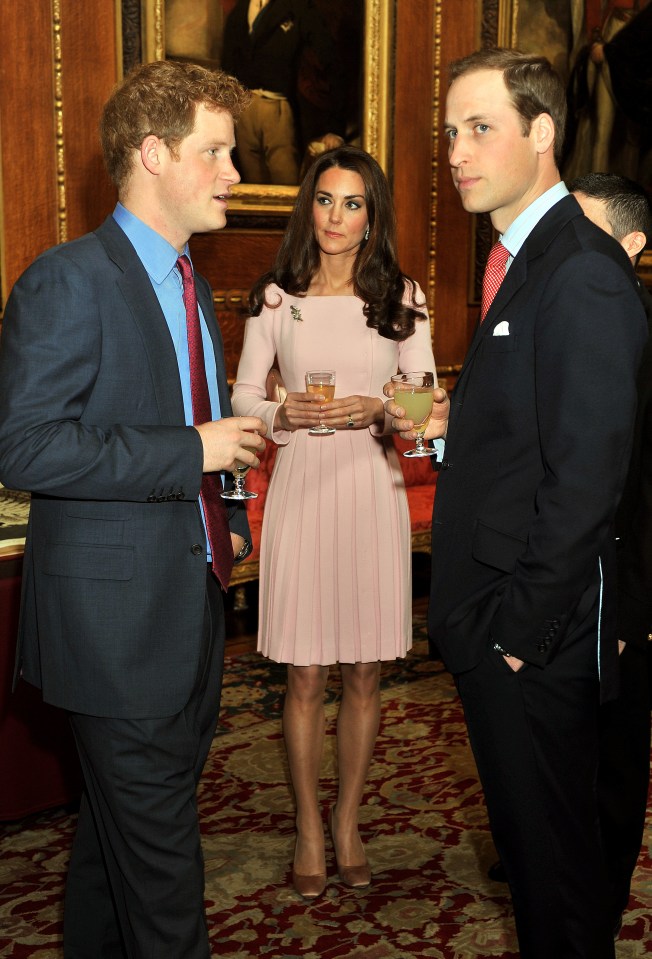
634,516
92,423
538,440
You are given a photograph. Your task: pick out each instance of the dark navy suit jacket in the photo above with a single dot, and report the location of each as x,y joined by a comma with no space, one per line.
539,440
92,423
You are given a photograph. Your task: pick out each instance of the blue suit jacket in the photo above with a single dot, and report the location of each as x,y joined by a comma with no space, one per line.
92,423
539,440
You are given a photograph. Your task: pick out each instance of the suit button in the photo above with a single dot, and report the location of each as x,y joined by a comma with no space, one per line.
196,549
542,647
181,494
151,498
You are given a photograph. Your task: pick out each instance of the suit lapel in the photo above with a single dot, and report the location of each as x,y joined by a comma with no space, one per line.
534,246
144,307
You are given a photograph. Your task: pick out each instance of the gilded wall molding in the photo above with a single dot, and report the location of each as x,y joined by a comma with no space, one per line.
436,101
57,69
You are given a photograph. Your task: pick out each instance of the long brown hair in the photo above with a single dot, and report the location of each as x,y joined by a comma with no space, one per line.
377,279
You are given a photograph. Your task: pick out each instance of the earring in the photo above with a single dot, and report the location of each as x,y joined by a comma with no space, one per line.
366,236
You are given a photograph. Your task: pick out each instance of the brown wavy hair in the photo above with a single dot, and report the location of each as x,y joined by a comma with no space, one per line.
161,98
377,279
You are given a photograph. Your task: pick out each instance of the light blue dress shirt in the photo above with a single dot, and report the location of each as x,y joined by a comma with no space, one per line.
159,259
517,232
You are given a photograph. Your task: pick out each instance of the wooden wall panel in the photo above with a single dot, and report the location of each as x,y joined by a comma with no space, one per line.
452,262
89,70
27,136
59,65
232,259
412,155
434,230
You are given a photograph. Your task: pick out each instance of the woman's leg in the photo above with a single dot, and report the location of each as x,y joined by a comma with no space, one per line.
303,729
357,729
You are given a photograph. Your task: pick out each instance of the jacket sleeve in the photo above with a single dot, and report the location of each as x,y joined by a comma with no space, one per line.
78,410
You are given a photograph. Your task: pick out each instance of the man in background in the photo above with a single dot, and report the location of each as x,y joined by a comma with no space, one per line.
115,414
621,208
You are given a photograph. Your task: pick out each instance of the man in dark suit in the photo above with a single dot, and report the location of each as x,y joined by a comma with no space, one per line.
122,622
537,446
621,208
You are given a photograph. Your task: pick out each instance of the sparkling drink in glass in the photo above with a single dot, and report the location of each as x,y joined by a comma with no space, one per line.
321,383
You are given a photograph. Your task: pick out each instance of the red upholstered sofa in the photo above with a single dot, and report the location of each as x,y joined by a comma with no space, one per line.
420,480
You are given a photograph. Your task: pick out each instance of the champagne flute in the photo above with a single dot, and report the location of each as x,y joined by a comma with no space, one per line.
239,474
414,392
321,382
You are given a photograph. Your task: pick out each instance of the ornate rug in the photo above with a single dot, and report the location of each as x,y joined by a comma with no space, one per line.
423,822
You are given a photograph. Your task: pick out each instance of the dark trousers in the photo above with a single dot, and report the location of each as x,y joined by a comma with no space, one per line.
624,772
534,734
135,887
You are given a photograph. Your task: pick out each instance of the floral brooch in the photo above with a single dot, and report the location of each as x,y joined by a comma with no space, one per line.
296,313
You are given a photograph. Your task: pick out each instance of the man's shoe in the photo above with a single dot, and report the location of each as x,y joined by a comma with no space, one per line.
497,872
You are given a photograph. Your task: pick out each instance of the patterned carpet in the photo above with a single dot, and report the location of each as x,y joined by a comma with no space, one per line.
423,823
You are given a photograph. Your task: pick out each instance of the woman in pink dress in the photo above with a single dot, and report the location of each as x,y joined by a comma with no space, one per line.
335,580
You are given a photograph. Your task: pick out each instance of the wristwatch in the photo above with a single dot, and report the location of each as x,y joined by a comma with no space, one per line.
246,550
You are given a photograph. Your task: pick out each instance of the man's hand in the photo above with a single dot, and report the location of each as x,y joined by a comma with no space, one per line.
513,662
231,439
438,423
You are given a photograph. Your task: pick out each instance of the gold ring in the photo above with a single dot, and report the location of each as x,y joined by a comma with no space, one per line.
350,421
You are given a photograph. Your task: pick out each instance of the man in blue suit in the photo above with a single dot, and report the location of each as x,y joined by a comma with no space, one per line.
522,601
122,622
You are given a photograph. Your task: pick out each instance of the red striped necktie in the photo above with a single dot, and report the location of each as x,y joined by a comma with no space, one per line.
217,523
494,275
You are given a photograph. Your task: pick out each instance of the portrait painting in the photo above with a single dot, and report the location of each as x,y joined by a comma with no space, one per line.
303,60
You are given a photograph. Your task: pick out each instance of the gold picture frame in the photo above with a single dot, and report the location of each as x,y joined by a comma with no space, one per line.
517,28
253,198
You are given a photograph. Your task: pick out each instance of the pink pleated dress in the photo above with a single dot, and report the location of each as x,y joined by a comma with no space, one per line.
335,562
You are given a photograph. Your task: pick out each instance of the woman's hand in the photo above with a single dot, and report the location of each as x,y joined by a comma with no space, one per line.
298,411
303,410
438,423
352,412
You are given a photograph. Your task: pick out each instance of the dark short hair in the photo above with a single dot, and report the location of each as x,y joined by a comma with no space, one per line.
161,98
627,205
532,83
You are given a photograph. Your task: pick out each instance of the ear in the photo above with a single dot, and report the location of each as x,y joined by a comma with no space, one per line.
543,130
633,243
150,154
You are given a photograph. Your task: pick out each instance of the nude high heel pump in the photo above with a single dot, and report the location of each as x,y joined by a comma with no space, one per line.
308,887
357,877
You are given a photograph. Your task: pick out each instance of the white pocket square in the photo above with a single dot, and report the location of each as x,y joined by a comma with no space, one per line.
501,329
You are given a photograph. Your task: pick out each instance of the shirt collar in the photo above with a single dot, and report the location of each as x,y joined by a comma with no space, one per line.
157,255
517,232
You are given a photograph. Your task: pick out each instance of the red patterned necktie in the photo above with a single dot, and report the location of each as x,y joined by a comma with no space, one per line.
217,524
494,275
